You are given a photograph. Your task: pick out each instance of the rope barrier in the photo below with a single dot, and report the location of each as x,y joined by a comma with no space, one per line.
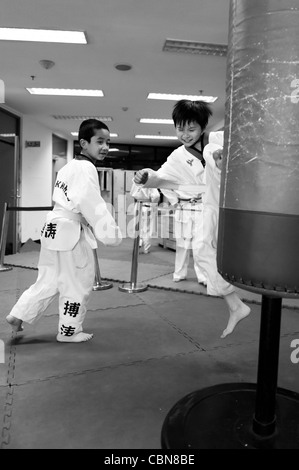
98,283
17,208
4,230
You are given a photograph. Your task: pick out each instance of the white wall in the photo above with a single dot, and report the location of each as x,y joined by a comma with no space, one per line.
36,175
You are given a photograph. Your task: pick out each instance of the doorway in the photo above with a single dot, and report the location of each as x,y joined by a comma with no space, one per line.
10,176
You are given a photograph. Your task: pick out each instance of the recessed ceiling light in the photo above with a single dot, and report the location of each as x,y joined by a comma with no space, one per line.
162,137
64,92
42,35
155,121
123,67
176,97
75,134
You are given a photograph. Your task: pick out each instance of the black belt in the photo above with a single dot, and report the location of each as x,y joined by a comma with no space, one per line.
192,200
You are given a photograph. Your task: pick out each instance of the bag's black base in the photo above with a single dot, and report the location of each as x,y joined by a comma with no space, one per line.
221,417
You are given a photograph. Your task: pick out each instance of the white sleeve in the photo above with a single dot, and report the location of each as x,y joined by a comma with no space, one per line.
140,193
86,195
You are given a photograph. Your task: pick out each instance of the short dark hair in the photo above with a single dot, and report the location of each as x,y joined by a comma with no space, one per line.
88,127
185,111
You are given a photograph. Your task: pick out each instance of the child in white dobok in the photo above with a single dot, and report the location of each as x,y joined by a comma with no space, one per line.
208,255
66,264
185,165
189,130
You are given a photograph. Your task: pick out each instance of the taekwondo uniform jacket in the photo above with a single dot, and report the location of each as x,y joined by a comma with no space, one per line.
180,167
78,206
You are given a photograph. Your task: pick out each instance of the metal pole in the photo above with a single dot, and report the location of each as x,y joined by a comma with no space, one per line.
264,421
98,283
3,238
133,286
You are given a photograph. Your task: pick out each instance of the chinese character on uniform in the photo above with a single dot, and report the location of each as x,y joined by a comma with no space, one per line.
50,230
71,308
67,330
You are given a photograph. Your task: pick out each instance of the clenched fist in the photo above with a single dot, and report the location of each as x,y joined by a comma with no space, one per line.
218,155
141,177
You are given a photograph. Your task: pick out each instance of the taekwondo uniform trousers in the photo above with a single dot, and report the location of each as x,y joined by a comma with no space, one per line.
68,273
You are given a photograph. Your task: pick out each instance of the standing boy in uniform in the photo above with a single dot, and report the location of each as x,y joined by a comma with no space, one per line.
190,119
66,263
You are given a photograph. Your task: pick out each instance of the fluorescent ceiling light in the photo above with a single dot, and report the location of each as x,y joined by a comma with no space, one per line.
167,96
156,121
7,135
82,118
42,35
75,134
64,92
162,137
194,47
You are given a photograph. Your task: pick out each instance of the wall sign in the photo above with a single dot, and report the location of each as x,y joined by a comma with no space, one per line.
32,143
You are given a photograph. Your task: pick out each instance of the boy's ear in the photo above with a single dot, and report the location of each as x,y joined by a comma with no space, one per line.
82,143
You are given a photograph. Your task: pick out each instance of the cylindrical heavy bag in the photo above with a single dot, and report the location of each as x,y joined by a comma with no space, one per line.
258,239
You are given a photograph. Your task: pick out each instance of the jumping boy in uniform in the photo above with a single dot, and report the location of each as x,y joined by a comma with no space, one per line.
183,167
66,263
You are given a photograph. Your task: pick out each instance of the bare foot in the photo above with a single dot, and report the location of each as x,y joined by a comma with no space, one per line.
234,318
16,323
78,338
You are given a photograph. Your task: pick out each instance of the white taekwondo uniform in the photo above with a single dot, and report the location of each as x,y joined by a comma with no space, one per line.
216,285
184,168
66,264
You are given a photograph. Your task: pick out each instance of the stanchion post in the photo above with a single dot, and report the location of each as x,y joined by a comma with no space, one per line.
3,239
98,283
133,286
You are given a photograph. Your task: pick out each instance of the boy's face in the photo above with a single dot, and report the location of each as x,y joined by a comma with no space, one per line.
188,133
98,147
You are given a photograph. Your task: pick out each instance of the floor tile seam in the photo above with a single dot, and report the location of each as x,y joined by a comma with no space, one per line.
259,302
178,329
93,310
286,335
185,291
115,308
232,345
159,275
247,343
8,405
22,266
104,368
7,291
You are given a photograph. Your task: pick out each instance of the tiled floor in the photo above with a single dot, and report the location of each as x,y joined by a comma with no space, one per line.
149,350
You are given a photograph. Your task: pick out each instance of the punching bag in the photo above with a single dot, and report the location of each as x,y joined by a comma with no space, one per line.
258,239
